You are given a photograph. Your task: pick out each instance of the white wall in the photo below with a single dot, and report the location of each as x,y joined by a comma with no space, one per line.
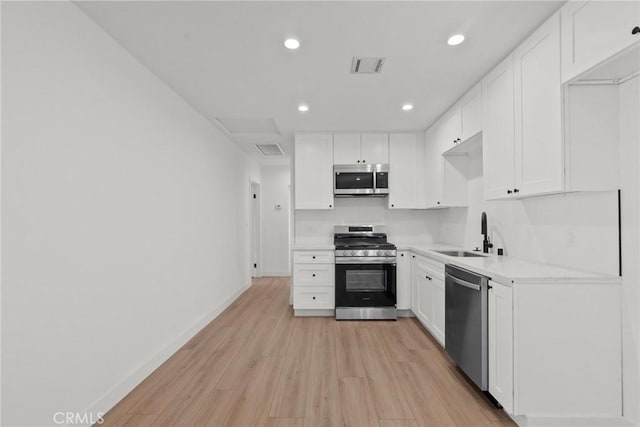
629,95
124,222
275,188
578,230
403,226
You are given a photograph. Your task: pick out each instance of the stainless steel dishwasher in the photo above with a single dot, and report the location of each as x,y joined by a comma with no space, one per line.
466,318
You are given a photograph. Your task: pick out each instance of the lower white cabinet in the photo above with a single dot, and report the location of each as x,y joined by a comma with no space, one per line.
403,277
501,344
427,282
313,280
554,349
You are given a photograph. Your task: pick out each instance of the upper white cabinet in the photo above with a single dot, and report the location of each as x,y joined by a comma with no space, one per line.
346,148
471,113
538,112
450,129
313,171
355,148
375,148
463,120
522,120
446,181
592,31
406,171
498,131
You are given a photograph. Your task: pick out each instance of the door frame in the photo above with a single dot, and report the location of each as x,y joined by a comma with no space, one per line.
255,235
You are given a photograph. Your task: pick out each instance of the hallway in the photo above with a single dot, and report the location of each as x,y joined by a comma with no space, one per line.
258,365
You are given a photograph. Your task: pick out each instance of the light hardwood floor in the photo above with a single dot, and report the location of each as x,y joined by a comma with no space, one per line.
257,365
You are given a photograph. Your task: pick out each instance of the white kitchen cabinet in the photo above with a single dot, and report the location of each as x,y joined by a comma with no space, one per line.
375,148
413,283
403,279
450,129
313,282
538,112
446,180
407,187
356,148
593,31
438,316
463,121
425,301
471,113
346,148
498,129
501,344
313,171
522,119
428,283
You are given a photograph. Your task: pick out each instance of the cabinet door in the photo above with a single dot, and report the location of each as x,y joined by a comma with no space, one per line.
592,31
425,301
403,278
375,148
313,171
414,282
498,131
346,148
538,112
402,161
450,129
433,168
501,344
471,113
437,295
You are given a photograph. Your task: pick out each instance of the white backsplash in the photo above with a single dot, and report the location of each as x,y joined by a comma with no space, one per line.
403,226
578,230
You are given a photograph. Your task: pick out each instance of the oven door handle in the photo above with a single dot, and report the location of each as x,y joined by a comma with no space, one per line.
365,260
464,283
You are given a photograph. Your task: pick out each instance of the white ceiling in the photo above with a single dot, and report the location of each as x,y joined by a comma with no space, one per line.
227,59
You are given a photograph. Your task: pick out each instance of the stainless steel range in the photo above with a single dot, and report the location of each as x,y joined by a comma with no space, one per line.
365,273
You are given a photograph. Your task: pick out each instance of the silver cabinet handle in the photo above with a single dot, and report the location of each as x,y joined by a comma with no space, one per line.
464,283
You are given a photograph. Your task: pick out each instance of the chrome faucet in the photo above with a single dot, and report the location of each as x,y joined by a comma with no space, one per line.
486,244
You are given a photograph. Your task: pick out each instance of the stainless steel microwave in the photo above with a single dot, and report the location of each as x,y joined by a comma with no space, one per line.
360,180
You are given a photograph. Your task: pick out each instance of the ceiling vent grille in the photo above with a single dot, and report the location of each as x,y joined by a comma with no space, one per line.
366,65
270,149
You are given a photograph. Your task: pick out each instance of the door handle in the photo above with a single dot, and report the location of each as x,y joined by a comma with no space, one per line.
464,283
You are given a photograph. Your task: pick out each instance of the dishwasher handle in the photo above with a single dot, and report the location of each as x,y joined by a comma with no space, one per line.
464,283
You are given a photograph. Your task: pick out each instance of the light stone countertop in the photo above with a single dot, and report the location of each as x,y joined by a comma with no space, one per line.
502,269
508,270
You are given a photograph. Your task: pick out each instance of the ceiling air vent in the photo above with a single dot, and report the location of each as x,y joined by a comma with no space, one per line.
366,65
270,149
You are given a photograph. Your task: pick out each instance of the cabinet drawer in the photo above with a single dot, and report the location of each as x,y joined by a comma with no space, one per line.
313,257
310,297
313,275
435,268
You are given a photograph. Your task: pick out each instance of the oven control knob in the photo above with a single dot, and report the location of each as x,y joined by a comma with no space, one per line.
380,253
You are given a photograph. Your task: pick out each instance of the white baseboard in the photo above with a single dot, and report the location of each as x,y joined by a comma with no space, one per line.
137,375
276,274
524,421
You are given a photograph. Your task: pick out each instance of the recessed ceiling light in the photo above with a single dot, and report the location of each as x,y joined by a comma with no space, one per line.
291,44
303,108
407,107
455,39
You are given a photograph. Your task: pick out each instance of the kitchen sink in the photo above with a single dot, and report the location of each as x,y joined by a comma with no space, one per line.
462,254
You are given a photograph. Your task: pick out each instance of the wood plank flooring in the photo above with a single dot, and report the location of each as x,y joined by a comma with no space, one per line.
257,365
